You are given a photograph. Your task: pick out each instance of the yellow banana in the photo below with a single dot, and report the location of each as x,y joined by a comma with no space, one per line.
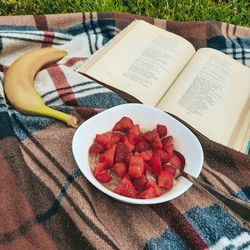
19,84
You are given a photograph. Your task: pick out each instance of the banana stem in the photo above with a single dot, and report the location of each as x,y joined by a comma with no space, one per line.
70,120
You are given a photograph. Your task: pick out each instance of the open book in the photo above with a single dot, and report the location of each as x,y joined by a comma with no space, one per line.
205,88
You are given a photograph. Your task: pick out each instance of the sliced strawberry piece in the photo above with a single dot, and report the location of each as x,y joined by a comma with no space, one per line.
133,133
148,193
170,168
136,166
135,129
120,168
177,160
103,140
127,159
118,127
158,190
99,168
155,163
147,167
126,188
170,150
104,177
150,135
140,183
162,130
127,143
108,156
141,147
141,138
121,153
156,144
108,134
116,137
163,155
166,141
132,138
96,148
146,155
165,179
124,124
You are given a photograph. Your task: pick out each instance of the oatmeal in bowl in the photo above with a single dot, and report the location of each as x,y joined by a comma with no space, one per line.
134,162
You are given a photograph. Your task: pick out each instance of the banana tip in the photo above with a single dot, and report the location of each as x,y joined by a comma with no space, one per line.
72,121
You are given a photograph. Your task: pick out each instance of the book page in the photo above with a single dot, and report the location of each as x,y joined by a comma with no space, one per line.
144,63
211,95
241,140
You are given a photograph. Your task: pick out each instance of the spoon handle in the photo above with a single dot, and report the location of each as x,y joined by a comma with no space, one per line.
238,209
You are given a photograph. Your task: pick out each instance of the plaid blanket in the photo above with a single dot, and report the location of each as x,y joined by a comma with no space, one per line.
46,203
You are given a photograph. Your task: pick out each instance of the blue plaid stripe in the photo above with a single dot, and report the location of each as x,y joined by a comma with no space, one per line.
238,48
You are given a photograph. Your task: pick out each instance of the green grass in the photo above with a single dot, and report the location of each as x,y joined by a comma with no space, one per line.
231,11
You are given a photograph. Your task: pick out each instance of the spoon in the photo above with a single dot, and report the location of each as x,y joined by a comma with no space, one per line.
237,208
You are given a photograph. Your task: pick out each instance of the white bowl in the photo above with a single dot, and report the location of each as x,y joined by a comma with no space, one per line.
147,117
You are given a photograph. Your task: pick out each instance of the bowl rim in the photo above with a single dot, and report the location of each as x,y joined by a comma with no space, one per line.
102,188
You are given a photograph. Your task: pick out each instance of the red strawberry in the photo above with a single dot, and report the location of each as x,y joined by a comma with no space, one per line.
116,137
121,153
170,150
163,155
166,141
140,184
177,160
141,147
133,133
155,163
127,158
127,143
126,188
141,138
162,130
103,140
96,148
99,168
108,134
150,135
148,193
136,166
158,190
108,156
120,168
124,124
170,168
146,155
165,179
156,143
104,176
147,167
